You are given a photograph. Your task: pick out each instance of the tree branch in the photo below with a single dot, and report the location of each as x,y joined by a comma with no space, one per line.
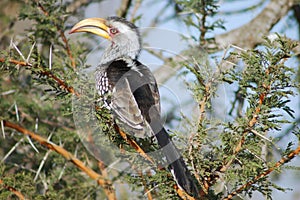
250,35
133,144
282,161
106,184
251,123
13,190
62,35
44,72
246,37
123,10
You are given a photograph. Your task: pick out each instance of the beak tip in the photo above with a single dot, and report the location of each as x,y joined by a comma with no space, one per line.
72,31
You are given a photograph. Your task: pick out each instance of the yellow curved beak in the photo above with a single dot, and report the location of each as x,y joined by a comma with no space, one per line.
92,25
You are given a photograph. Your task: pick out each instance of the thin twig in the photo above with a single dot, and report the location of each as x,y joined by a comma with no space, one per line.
46,73
70,89
251,123
62,35
147,191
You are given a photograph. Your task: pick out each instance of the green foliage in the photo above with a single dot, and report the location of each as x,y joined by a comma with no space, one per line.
245,143
46,93
197,17
42,104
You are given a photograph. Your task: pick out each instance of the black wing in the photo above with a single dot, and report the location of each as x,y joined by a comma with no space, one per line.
134,96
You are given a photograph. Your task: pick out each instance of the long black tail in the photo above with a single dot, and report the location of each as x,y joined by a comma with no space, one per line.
177,165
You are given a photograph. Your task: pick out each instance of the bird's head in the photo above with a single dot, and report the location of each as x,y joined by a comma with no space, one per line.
124,36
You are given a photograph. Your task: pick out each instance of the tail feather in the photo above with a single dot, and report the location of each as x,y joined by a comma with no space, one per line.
177,166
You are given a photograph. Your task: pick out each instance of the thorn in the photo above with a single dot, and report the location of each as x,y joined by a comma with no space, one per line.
76,151
41,165
62,171
109,167
231,63
256,156
30,52
31,143
17,112
2,128
49,137
50,57
36,124
264,137
44,158
7,92
145,194
12,149
238,48
18,50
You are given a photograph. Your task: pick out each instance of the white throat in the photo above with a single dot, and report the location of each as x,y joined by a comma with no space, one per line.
125,44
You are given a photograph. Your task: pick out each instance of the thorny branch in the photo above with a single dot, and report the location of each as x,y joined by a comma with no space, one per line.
133,144
49,74
106,184
251,123
71,90
247,36
62,35
282,161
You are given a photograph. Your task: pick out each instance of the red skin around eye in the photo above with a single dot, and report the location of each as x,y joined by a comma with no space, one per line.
113,31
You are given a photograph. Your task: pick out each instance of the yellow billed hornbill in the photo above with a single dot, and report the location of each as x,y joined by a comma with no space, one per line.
133,93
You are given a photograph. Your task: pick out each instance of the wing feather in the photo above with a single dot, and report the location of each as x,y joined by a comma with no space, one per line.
134,98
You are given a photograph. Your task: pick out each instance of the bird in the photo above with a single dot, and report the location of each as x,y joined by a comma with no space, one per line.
129,90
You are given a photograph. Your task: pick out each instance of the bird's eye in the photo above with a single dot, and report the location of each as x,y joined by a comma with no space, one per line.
113,30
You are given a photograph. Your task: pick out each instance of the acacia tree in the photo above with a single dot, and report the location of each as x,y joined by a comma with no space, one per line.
43,157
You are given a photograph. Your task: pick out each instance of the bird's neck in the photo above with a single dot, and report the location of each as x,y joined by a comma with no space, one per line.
115,51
